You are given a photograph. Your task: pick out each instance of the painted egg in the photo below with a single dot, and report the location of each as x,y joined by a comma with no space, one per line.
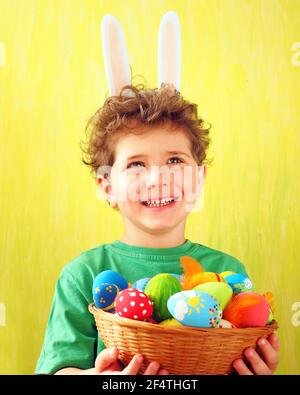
178,276
104,296
141,284
134,304
170,322
204,277
225,324
239,282
195,308
227,273
247,309
222,292
110,277
159,289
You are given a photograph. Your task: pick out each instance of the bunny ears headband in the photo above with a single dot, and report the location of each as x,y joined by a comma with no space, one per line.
116,58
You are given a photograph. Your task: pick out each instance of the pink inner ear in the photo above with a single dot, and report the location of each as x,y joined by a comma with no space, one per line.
170,63
116,61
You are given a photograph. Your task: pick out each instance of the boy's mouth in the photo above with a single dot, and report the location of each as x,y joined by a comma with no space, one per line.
160,203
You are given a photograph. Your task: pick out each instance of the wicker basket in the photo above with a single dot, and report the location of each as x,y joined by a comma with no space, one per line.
180,350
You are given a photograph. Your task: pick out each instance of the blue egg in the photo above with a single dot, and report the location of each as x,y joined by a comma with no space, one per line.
141,284
239,283
104,296
195,308
110,277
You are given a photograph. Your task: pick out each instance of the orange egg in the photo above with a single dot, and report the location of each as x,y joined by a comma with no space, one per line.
247,309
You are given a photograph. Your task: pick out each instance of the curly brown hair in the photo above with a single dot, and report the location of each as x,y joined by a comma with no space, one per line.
151,107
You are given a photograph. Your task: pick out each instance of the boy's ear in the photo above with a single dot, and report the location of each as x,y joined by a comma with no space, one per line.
104,186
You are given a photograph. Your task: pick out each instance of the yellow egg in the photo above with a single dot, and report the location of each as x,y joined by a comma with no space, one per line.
224,274
204,277
170,322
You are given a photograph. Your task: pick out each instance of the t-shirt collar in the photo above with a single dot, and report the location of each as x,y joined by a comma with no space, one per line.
132,249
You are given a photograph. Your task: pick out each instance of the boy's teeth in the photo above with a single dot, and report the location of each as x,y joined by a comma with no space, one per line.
155,203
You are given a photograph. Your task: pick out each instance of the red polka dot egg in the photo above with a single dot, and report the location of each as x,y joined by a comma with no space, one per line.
134,304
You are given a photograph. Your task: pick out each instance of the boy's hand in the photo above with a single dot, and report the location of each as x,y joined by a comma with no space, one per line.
107,363
264,361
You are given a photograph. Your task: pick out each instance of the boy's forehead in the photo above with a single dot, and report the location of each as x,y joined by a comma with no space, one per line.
155,139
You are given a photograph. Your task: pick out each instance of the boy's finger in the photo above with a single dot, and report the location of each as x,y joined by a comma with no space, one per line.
152,368
274,341
241,368
105,358
134,365
163,372
269,354
257,364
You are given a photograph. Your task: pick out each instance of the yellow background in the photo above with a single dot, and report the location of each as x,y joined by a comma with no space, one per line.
238,64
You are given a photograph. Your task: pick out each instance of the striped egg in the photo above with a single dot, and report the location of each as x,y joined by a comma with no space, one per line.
159,289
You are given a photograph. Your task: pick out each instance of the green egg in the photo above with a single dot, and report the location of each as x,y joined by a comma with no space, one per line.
160,288
222,292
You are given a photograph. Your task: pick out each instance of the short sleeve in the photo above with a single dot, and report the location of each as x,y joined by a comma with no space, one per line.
71,334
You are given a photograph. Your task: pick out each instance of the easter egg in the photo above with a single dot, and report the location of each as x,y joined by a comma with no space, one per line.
159,289
111,277
141,284
104,296
222,292
195,308
200,278
134,304
170,322
227,273
225,324
247,309
178,276
239,282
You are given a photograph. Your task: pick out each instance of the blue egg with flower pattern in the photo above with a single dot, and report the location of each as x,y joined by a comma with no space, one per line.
195,308
111,277
104,296
239,283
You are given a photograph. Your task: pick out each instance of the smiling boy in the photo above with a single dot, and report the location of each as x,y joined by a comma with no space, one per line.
148,154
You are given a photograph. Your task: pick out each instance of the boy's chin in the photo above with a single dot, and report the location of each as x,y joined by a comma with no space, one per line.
157,227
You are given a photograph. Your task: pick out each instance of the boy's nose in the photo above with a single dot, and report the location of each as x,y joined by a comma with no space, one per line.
154,177
156,184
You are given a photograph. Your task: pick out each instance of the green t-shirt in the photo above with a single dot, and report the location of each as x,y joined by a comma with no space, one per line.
71,338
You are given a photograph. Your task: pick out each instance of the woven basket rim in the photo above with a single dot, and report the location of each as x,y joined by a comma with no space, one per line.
127,322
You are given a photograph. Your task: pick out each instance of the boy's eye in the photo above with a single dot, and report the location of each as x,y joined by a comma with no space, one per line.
133,163
175,157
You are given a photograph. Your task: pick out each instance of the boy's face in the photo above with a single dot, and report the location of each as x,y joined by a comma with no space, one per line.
155,165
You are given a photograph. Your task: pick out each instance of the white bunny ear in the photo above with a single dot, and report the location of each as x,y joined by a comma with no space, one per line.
115,54
169,50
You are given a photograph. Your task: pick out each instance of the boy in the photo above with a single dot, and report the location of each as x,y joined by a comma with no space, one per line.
141,148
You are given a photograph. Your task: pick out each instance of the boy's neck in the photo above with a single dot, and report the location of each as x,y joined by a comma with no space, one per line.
139,238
